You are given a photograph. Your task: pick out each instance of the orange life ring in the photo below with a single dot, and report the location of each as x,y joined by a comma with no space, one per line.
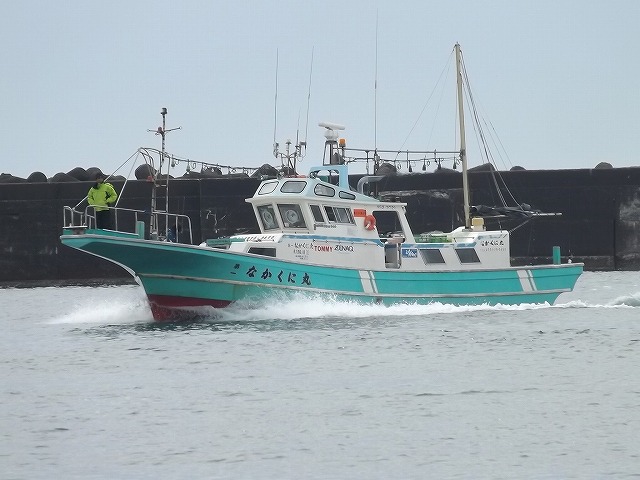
369,222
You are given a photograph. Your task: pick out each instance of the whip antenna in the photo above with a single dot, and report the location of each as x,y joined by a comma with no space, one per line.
306,127
375,94
275,111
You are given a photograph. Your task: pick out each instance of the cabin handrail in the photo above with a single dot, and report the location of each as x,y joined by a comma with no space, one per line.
367,180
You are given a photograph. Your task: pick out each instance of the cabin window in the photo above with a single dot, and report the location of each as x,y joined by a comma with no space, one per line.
467,255
344,215
346,195
293,186
330,215
324,191
267,188
339,215
388,222
317,213
268,217
267,252
431,255
291,216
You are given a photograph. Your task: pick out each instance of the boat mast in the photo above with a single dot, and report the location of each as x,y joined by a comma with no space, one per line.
157,178
163,112
463,143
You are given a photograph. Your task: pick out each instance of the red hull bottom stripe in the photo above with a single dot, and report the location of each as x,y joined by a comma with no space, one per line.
171,308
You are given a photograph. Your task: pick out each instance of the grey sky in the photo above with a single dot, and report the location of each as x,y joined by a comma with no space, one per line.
82,81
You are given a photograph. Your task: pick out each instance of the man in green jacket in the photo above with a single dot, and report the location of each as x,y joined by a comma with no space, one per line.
102,195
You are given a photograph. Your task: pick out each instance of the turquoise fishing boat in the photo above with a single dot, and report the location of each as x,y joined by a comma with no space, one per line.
319,235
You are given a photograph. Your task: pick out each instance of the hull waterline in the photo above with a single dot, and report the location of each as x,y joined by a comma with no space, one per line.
190,281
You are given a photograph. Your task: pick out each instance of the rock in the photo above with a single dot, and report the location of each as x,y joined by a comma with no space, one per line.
603,166
211,172
442,170
92,172
62,177
485,167
143,172
37,177
80,174
8,178
265,170
386,169
193,175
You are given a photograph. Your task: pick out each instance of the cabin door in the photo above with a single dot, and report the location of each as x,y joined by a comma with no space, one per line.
392,257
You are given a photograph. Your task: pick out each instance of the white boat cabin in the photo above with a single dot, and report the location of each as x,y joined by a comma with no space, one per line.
320,220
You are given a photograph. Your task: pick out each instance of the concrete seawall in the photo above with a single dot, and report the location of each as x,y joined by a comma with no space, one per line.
599,223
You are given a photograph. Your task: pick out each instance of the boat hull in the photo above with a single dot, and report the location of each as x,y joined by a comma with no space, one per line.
183,281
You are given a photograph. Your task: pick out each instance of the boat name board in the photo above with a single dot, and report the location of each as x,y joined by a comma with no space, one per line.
321,247
282,276
301,250
492,243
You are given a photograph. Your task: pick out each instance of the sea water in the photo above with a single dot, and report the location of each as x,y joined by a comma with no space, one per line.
92,388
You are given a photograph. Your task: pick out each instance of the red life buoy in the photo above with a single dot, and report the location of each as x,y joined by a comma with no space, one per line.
369,222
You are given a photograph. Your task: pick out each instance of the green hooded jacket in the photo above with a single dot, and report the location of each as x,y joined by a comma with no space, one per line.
102,195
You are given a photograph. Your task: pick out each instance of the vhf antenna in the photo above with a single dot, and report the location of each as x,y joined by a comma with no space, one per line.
299,149
162,131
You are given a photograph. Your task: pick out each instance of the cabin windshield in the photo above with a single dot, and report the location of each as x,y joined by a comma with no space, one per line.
291,215
267,217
